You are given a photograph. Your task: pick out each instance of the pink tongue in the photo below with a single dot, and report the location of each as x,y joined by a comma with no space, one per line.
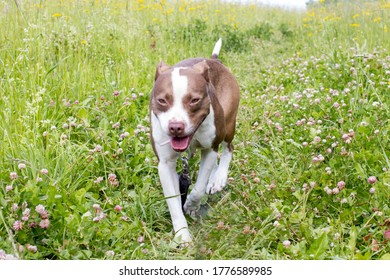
180,144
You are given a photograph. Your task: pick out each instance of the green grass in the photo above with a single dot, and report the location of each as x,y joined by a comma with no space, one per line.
75,78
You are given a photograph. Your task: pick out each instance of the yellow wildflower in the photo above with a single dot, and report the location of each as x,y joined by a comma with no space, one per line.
385,6
169,11
56,15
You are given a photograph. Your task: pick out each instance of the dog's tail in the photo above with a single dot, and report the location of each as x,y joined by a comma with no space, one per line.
217,49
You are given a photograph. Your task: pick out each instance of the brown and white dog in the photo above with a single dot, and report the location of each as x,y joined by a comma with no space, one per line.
193,105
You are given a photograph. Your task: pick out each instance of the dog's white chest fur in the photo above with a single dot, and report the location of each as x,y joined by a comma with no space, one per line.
205,134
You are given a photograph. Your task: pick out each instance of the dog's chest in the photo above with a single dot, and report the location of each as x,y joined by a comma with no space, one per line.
205,135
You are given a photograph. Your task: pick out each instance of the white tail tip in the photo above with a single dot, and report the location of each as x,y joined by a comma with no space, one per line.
217,48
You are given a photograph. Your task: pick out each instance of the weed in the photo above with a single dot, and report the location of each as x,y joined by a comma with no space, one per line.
310,175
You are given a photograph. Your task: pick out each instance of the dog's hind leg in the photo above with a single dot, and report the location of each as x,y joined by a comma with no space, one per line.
207,163
218,180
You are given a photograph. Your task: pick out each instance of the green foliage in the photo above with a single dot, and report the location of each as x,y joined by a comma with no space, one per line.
234,39
195,29
285,30
313,128
261,31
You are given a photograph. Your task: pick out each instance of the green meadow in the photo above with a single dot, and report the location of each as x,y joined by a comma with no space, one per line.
310,177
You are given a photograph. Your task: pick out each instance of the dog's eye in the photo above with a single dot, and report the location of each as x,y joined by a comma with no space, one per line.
162,101
195,101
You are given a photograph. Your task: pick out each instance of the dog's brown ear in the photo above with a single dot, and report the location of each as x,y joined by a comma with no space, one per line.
161,67
203,68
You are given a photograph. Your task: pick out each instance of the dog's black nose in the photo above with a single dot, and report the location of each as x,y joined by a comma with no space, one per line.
176,128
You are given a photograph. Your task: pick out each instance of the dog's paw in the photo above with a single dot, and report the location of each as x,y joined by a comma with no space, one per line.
182,238
217,184
192,205
191,208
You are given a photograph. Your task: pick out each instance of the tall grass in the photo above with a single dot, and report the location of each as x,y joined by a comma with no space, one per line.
75,78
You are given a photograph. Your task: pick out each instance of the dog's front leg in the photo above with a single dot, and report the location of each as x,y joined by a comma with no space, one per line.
170,183
207,164
219,177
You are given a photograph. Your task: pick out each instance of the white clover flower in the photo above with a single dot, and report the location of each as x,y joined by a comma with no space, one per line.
286,243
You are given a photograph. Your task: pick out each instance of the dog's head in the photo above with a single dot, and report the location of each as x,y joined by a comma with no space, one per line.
180,100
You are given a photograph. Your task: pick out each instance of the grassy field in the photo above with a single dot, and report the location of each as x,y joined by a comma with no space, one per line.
310,178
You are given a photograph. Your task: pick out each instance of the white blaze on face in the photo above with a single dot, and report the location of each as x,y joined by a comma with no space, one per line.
177,111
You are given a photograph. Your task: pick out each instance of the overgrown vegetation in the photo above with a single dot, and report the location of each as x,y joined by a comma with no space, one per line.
310,176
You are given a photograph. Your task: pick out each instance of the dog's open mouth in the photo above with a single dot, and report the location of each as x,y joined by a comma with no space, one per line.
180,144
